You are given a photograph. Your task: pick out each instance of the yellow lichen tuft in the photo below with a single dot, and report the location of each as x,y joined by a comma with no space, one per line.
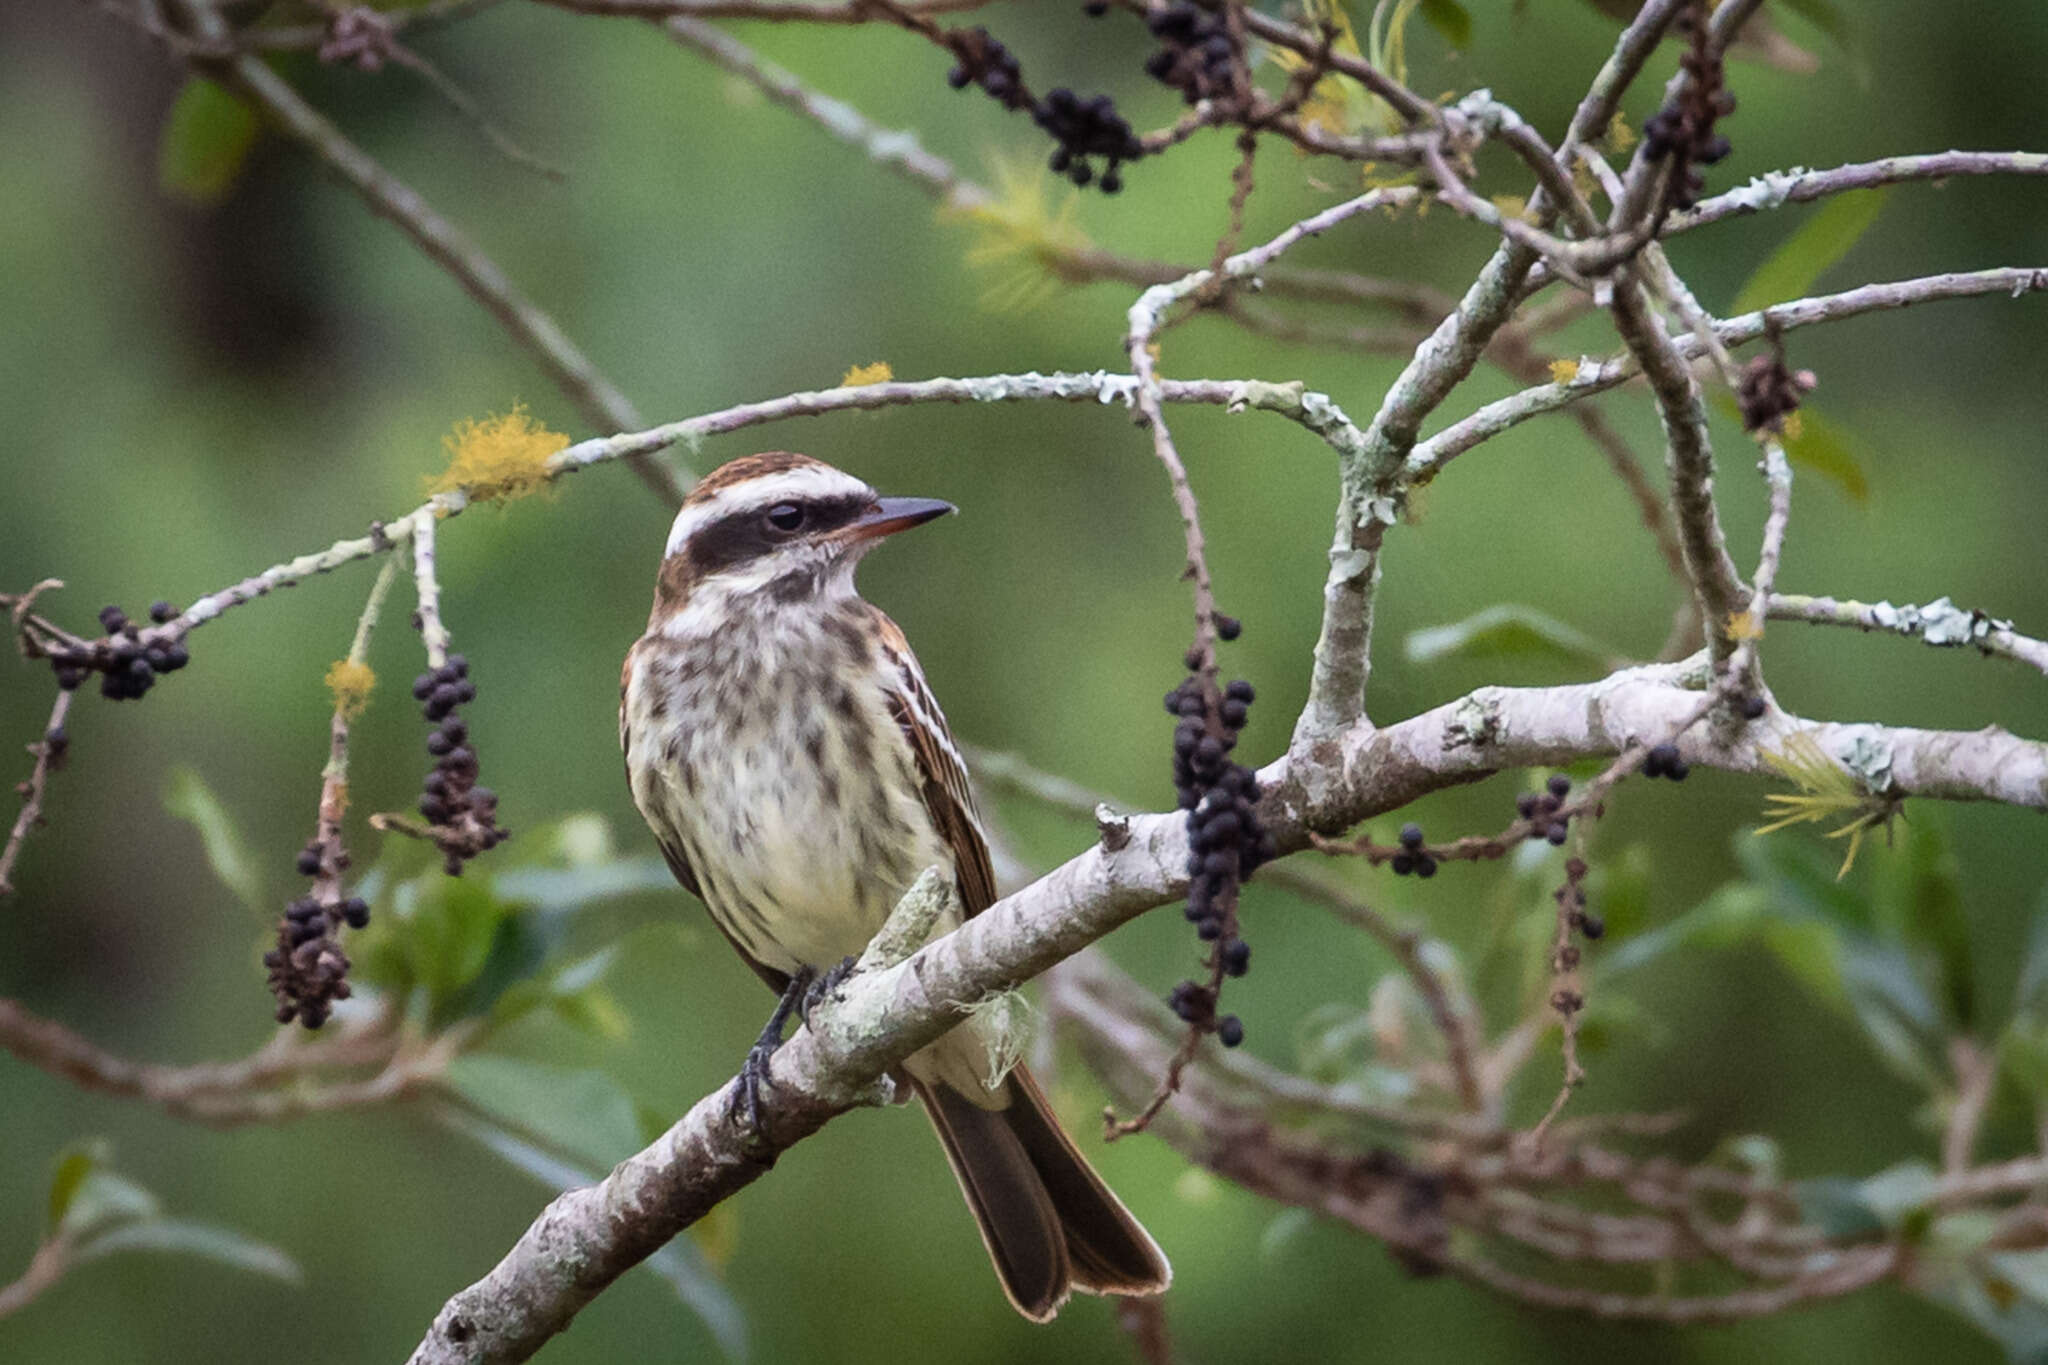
1563,371
505,456
1026,236
1511,206
860,376
350,682
1744,625
1825,792
1620,137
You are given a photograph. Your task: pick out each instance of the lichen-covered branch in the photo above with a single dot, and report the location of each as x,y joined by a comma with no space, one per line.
1598,376
1311,410
1940,623
1689,461
1778,188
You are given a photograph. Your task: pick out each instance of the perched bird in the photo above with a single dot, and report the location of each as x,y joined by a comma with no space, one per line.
783,745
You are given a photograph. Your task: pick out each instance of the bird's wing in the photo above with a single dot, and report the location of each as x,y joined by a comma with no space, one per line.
947,794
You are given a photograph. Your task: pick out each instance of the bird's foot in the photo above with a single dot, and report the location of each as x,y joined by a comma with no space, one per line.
821,989
753,1077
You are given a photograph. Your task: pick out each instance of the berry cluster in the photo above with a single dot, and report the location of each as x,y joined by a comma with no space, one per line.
1545,810
1663,761
1083,129
1684,129
308,970
1195,1004
979,58
1413,857
1227,841
1196,56
1571,898
128,665
463,814
1768,392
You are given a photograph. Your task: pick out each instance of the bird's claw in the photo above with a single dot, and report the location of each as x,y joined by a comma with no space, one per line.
821,989
753,1075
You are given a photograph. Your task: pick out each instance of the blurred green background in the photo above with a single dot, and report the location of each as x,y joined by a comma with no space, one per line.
196,393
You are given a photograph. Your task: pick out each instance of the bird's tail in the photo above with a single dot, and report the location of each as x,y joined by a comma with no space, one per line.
1051,1226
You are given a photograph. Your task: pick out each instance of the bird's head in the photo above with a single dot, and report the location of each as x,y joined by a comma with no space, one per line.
779,524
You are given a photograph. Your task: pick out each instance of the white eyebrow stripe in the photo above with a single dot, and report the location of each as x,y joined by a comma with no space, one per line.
790,485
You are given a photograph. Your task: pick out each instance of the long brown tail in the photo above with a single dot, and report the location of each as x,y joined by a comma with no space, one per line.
1051,1226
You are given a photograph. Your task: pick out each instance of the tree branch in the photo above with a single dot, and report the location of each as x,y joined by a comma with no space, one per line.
1940,623
1597,376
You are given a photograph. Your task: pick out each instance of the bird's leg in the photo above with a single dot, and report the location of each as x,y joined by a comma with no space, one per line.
821,989
753,1077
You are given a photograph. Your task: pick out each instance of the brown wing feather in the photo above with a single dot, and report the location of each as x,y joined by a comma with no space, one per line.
948,796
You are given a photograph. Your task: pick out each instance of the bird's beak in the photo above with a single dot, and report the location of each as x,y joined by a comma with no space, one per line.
891,515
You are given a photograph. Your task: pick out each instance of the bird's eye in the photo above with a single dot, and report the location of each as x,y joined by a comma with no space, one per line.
786,516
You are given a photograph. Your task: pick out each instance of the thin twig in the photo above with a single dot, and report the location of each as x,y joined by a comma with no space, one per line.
427,584
260,1088
1597,376
48,753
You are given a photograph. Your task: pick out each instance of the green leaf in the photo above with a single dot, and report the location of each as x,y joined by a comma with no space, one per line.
680,1263
205,142
1450,19
1510,631
1919,903
1817,445
1899,1192
68,1176
104,1200
449,927
1621,891
1892,1005
583,1115
1825,238
227,852
1821,447
1803,878
1808,947
219,1244
1836,1206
